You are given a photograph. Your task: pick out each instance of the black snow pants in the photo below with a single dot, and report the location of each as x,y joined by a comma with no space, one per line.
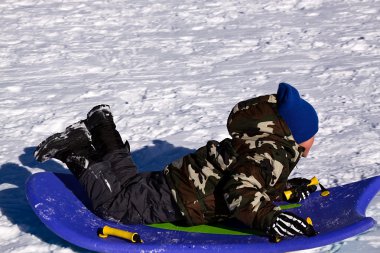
118,192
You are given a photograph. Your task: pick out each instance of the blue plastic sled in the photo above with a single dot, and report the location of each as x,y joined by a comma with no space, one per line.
59,201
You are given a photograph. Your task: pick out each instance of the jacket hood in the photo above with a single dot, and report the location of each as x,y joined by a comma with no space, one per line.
257,120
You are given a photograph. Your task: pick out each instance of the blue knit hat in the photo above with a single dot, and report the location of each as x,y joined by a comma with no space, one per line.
299,115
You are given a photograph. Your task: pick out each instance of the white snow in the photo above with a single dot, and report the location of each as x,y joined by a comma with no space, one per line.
171,72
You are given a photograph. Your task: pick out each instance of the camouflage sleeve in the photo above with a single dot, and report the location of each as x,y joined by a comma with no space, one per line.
246,196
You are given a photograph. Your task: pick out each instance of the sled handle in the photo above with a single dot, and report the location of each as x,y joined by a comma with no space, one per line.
131,236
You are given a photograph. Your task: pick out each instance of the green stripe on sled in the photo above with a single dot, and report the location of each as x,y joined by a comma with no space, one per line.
219,229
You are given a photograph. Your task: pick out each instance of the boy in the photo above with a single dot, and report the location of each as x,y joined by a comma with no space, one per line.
239,177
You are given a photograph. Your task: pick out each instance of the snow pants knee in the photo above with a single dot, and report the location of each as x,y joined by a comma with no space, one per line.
118,192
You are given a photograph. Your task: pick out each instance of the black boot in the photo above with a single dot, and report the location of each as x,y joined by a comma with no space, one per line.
73,147
75,139
104,135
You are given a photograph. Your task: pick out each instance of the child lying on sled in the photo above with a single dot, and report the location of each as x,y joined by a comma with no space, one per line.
238,177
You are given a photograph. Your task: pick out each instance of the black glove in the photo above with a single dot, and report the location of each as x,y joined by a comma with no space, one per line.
299,189
288,225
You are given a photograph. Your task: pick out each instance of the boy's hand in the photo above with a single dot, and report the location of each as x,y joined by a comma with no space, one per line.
288,225
301,193
300,189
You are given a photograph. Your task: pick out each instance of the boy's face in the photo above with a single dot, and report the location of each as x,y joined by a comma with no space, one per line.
307,145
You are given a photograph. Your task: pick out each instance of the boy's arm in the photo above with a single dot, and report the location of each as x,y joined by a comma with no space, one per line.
246,197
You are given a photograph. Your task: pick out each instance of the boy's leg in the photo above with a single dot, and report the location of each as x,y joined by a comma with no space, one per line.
143,199
149,200
121,164
102,180
102,187
75,148
104,135
105,181
109,174
108,142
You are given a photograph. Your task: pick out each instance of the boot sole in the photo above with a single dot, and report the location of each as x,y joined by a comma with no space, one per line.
102,107
98,115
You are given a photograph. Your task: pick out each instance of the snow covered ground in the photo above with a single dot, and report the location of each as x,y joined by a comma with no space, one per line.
171,71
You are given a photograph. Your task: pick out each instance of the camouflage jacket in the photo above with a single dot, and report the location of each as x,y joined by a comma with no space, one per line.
239,177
